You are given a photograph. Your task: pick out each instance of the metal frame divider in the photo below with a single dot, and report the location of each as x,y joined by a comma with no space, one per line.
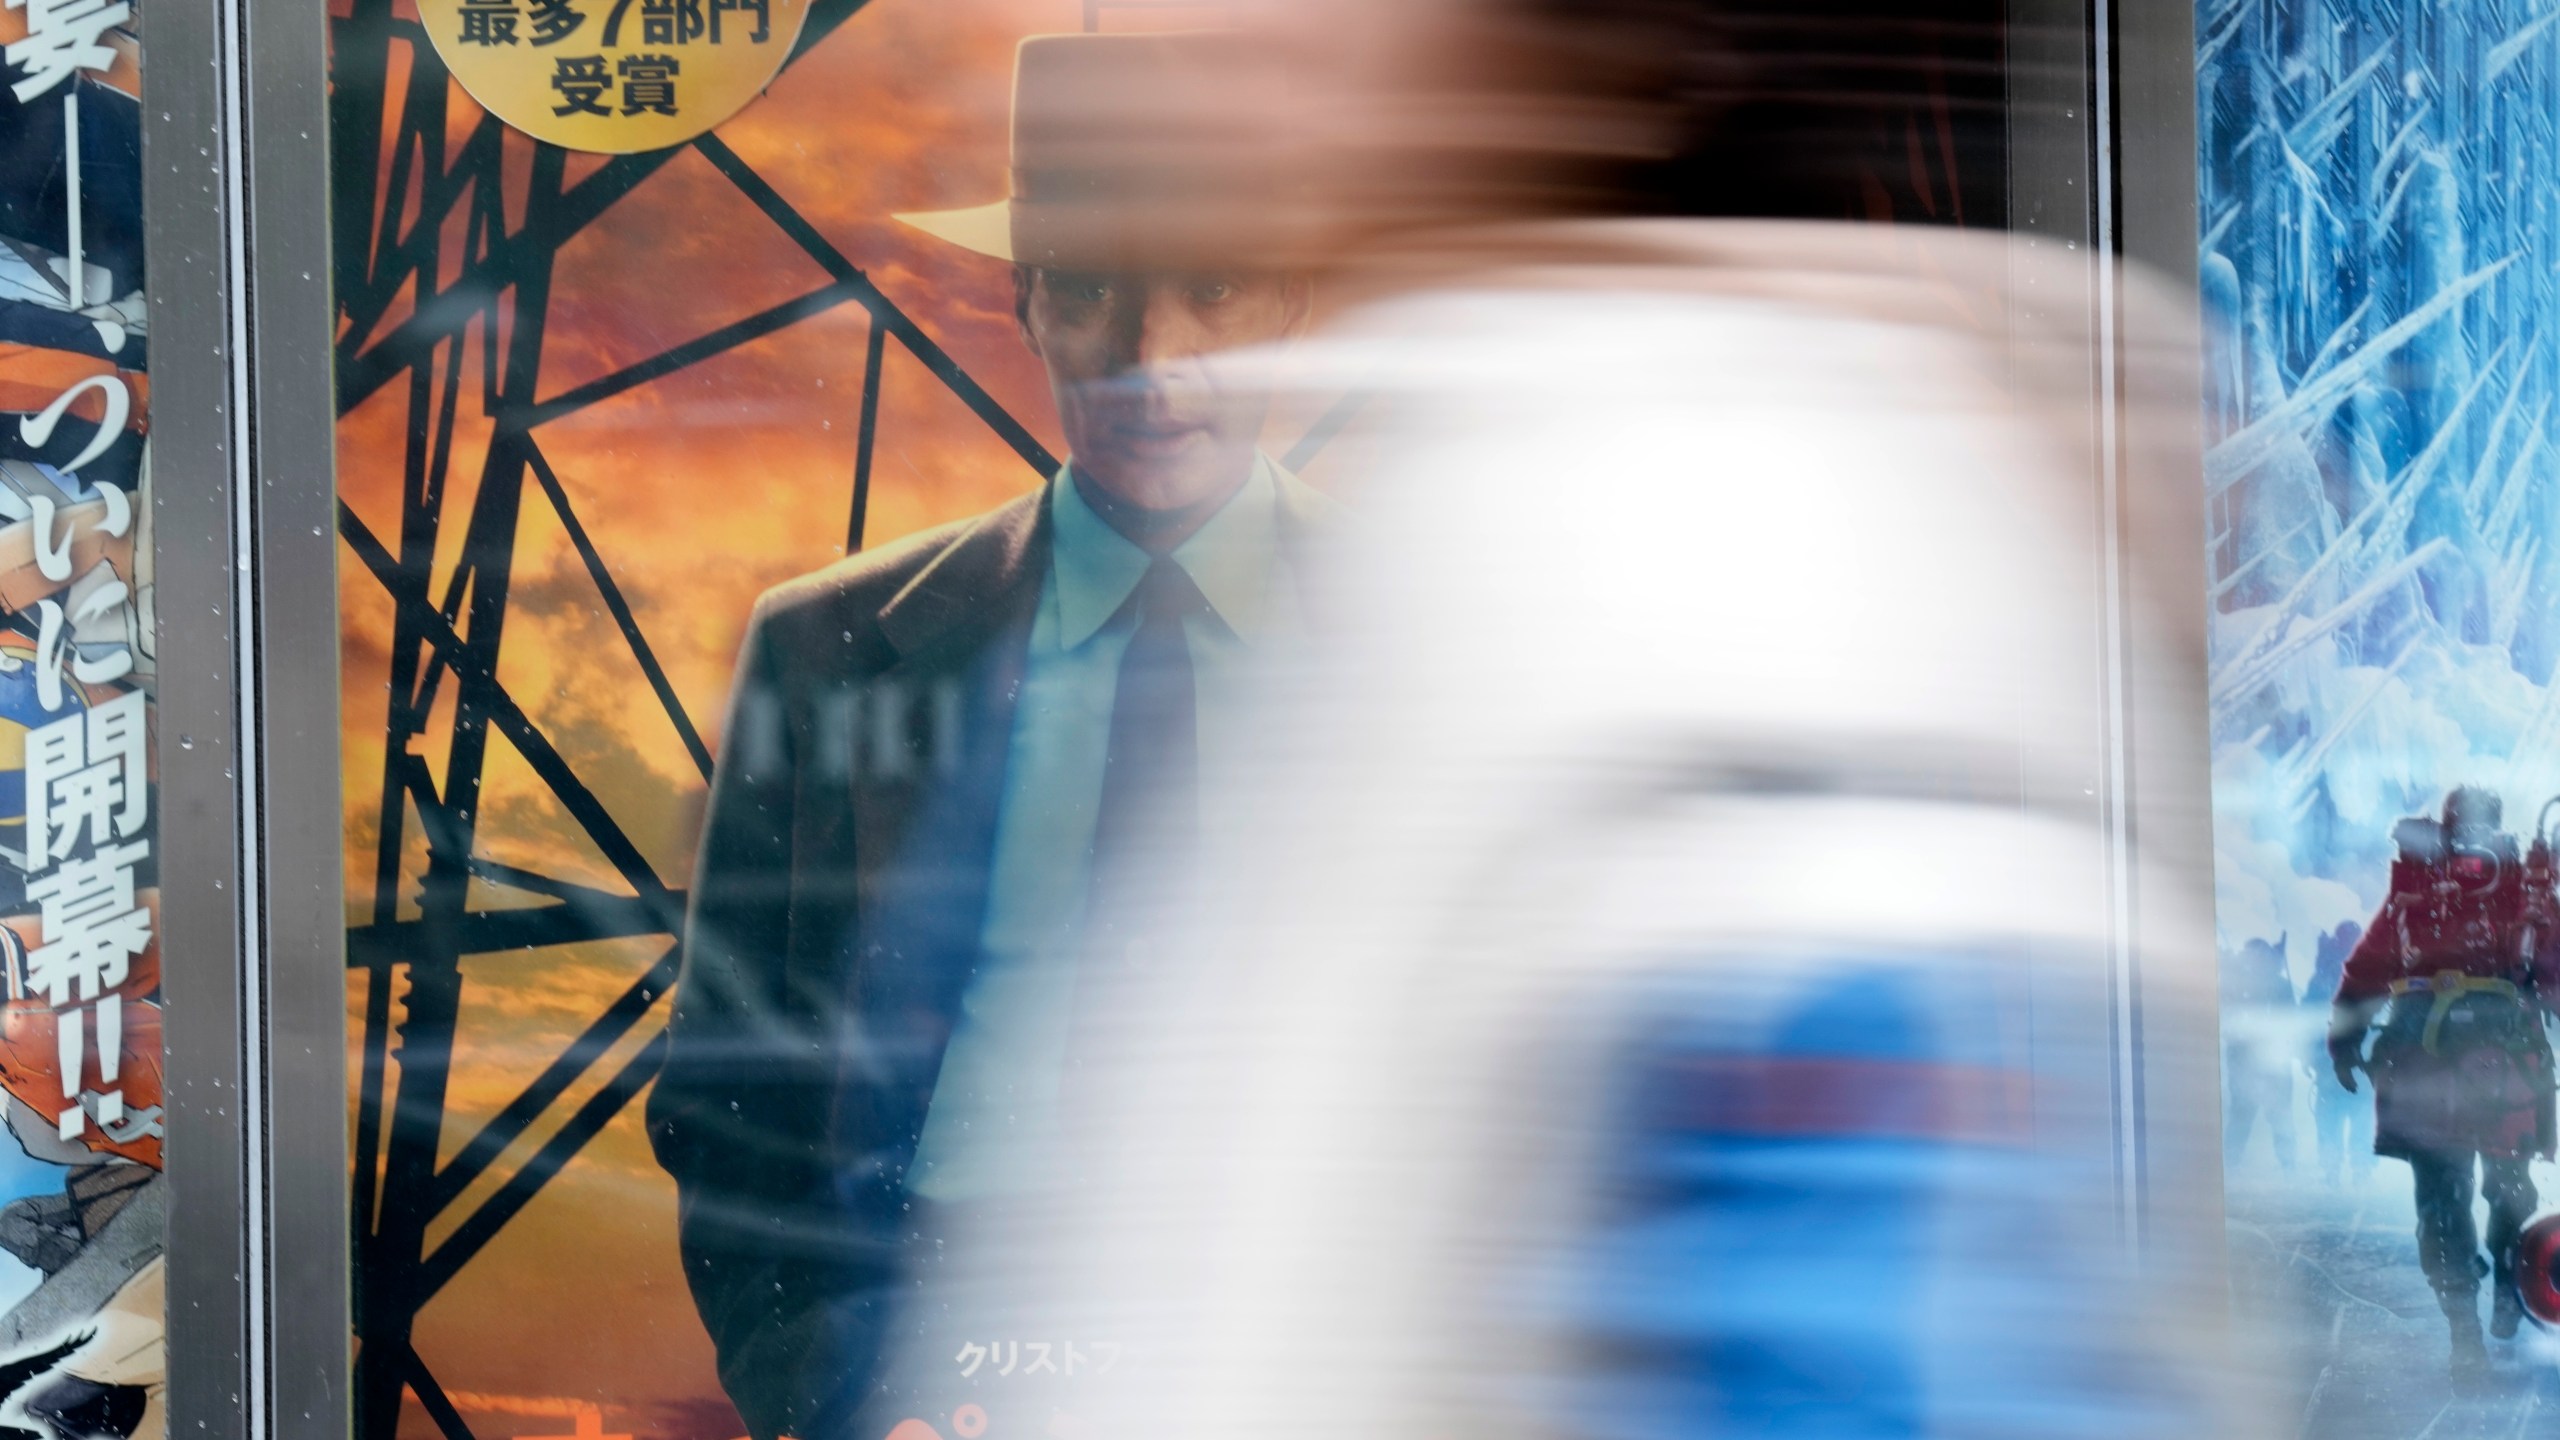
2103,164
2144,56
235,187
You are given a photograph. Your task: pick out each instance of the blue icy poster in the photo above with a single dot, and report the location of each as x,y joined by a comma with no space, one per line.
2380,208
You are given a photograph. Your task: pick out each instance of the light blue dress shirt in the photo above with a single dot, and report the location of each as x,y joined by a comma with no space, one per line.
992,1127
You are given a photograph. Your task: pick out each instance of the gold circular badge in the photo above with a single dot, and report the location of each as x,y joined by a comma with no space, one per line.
614,75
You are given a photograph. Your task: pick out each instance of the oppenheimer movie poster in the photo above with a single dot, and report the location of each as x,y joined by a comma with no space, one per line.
595,402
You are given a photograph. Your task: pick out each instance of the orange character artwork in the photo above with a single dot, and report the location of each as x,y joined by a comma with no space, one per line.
31,1067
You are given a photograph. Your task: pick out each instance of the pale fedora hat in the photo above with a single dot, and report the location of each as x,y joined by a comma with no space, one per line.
1135,151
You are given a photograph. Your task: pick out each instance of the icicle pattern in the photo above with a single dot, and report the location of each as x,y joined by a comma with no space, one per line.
2381,263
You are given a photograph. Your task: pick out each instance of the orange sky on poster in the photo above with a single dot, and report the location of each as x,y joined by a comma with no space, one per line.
700,490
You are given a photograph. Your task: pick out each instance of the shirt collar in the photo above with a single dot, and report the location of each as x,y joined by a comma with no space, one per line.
1230,558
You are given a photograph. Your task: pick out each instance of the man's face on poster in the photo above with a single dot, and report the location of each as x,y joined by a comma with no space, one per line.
1147,416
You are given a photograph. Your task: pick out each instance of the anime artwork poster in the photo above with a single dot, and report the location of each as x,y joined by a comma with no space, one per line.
83,1202
593,403
2381,236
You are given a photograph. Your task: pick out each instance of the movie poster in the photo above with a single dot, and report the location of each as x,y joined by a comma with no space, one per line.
2381,237
668,329
83,1202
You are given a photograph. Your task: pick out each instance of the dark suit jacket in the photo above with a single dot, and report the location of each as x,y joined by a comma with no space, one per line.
835,924
836,905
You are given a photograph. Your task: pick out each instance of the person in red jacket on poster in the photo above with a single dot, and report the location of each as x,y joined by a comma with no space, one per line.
2458,971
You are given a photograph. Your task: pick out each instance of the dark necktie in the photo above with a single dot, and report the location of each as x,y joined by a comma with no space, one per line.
1151,773
1149,819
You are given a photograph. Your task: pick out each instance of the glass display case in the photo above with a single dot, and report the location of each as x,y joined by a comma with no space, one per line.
516,364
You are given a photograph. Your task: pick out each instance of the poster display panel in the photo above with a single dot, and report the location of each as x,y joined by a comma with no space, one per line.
2381,229
83,1201
594,403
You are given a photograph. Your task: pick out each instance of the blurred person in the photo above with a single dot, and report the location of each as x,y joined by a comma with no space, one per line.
2261,1052
1664,981
2342,1122
935,751
2453,982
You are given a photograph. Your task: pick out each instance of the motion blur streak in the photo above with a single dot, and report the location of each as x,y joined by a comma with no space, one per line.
1672,979
1665,988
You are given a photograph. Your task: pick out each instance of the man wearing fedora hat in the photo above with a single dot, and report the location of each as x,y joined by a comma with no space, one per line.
938,755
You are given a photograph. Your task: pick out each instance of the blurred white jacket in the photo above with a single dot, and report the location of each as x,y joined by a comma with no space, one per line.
1685,977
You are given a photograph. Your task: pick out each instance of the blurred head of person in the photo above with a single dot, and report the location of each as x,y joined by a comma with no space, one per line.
1145,239
1442,111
